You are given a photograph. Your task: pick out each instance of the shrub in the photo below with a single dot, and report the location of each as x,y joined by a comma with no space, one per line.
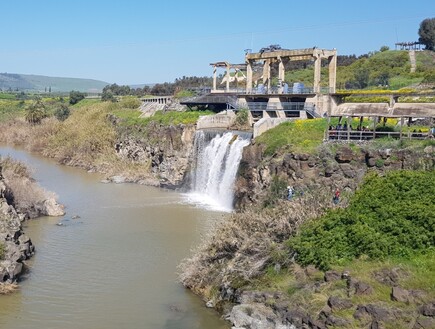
130,102
242,117
75,97
389,216
35,112
62,113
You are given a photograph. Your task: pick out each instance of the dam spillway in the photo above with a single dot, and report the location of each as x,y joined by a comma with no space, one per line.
216,161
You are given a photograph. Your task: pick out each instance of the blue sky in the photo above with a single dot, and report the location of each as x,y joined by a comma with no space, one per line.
132,41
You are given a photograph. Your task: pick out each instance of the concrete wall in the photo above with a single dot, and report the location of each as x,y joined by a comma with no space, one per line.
221,120
265,124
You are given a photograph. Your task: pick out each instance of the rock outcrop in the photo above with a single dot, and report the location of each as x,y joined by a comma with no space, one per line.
333,167
17,247
165,152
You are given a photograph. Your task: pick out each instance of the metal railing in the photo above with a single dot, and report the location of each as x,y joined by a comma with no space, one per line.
369,135
283,106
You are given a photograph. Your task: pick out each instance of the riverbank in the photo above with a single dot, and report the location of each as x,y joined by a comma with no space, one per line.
248,267
20,199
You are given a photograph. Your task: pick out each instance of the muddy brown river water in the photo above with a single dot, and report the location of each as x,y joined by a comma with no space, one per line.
115,266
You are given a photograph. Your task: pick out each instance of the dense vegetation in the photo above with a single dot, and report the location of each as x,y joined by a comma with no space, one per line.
391,216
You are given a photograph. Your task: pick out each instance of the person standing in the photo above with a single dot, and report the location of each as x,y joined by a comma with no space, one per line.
289,192
336,198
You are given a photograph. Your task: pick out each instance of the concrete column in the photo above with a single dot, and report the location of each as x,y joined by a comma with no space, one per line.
332,73
317,68
266,74
281,74
228,78
214,77
248,77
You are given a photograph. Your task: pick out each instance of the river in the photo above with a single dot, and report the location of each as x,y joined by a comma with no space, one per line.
115,266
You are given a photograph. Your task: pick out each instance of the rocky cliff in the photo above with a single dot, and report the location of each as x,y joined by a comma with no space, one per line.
20,198
333,166
245,270
162,151
17,247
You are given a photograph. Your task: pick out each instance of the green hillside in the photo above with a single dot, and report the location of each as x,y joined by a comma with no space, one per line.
389,69
24,82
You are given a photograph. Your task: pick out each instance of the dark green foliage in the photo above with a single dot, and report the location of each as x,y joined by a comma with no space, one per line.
75,97
62,112
427,33
389,216
108,96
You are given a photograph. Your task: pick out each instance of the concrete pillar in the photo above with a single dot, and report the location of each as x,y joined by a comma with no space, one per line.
281,74
332,73
317,72
248,77
228,78
266,74
214,77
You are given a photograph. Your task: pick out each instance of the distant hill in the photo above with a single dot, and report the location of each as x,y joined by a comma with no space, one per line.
24,82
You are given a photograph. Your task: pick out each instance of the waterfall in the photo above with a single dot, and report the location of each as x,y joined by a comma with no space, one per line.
217,158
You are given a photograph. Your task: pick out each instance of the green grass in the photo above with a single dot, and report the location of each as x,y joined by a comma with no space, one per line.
7,96
84,102
299,135
10,109
131,117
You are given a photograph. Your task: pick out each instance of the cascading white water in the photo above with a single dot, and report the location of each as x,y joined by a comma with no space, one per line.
217,161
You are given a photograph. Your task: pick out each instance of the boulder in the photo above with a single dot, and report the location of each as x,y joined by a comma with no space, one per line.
428,309
424,323
255,316
337,303
332,276
376,313
344,154
334,321
51,208
358,287
400,295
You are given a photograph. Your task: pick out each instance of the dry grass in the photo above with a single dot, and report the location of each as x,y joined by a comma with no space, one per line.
241,247
8,288
24,191
31,137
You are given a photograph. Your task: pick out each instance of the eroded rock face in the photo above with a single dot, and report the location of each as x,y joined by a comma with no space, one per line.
343,169
166,150
17,246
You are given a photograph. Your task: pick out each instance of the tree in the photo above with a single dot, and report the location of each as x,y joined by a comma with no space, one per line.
108,96
75,97
427,33
35,112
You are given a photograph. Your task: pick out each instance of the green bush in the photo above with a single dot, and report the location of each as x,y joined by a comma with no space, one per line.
62,113
130,102
389,216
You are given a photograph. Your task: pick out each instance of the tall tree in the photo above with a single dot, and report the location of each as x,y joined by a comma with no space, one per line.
427,33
